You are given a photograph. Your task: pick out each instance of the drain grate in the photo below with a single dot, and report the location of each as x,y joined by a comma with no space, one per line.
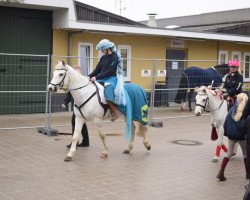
186,142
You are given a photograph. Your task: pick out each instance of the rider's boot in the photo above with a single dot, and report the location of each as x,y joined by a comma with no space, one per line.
113,110
220,174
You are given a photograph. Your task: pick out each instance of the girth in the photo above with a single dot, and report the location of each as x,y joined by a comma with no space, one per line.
104,106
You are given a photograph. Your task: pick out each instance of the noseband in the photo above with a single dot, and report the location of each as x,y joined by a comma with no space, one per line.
206,102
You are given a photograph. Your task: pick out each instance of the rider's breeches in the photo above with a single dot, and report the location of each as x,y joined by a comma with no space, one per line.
231,144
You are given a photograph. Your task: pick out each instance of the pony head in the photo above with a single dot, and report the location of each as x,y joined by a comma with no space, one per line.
201,100
59,79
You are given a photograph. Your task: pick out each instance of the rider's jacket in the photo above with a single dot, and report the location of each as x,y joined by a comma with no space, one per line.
233,84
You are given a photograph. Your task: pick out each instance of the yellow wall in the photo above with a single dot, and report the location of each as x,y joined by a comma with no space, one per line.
145,48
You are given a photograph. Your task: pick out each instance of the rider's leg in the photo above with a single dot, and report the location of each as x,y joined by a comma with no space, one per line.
243,145
109,95
113,110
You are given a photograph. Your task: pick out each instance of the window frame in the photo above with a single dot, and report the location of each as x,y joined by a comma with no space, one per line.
90,67
128,48
219,56
244,68
238,53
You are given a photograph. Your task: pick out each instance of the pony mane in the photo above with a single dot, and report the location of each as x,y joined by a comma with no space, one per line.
202,89
241,100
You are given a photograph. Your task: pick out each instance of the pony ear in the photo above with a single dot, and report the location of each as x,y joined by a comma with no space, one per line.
196,89
63,63
58,61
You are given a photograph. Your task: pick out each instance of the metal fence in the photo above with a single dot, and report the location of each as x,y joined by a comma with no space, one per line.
23,85
24,80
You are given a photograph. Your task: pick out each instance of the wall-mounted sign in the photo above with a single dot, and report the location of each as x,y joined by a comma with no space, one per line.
145,72
162,73
174,65
177,43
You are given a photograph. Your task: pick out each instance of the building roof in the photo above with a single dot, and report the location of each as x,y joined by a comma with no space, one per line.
67,16
221,17
86,12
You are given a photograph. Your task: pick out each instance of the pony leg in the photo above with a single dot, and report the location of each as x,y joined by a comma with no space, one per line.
190,94
75,138
131,140
143,130
219,144
183,105
235,149
103,138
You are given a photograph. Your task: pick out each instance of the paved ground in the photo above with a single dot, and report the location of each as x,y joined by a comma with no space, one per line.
32,166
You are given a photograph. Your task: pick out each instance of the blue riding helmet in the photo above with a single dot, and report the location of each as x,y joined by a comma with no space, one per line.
104,44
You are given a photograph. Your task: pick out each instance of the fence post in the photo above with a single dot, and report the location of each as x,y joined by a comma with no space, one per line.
47,130
152,97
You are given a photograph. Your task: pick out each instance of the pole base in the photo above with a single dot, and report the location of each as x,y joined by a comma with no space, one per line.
47,131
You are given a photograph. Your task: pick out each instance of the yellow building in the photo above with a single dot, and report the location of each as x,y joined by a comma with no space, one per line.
140,45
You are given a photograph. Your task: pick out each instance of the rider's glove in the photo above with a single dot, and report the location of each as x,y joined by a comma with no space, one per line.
225,95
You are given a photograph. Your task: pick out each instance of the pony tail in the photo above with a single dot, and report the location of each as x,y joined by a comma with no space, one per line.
242,100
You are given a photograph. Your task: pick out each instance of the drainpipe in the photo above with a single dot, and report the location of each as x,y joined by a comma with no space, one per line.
70,35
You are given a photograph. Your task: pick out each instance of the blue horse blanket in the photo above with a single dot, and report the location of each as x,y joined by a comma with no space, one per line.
136,107
139,104
198,77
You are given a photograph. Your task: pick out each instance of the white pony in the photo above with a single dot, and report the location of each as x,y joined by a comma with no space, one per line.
87,107
211,101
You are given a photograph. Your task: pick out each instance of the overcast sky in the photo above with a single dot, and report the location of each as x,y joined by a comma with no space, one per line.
137,9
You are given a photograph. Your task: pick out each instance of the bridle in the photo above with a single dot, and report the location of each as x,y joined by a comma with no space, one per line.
207,103
61,83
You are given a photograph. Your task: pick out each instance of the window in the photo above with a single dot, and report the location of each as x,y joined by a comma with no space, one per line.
223,57
85,57
236,55
247,66
125,51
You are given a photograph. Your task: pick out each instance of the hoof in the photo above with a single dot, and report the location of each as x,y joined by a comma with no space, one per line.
67,159
222,179
215,160
148,147
103,155
126,151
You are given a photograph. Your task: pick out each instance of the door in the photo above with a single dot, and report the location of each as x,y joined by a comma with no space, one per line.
174,67
24,31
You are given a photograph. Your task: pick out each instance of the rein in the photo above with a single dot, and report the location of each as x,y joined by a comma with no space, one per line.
80,87
104,106
207,103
